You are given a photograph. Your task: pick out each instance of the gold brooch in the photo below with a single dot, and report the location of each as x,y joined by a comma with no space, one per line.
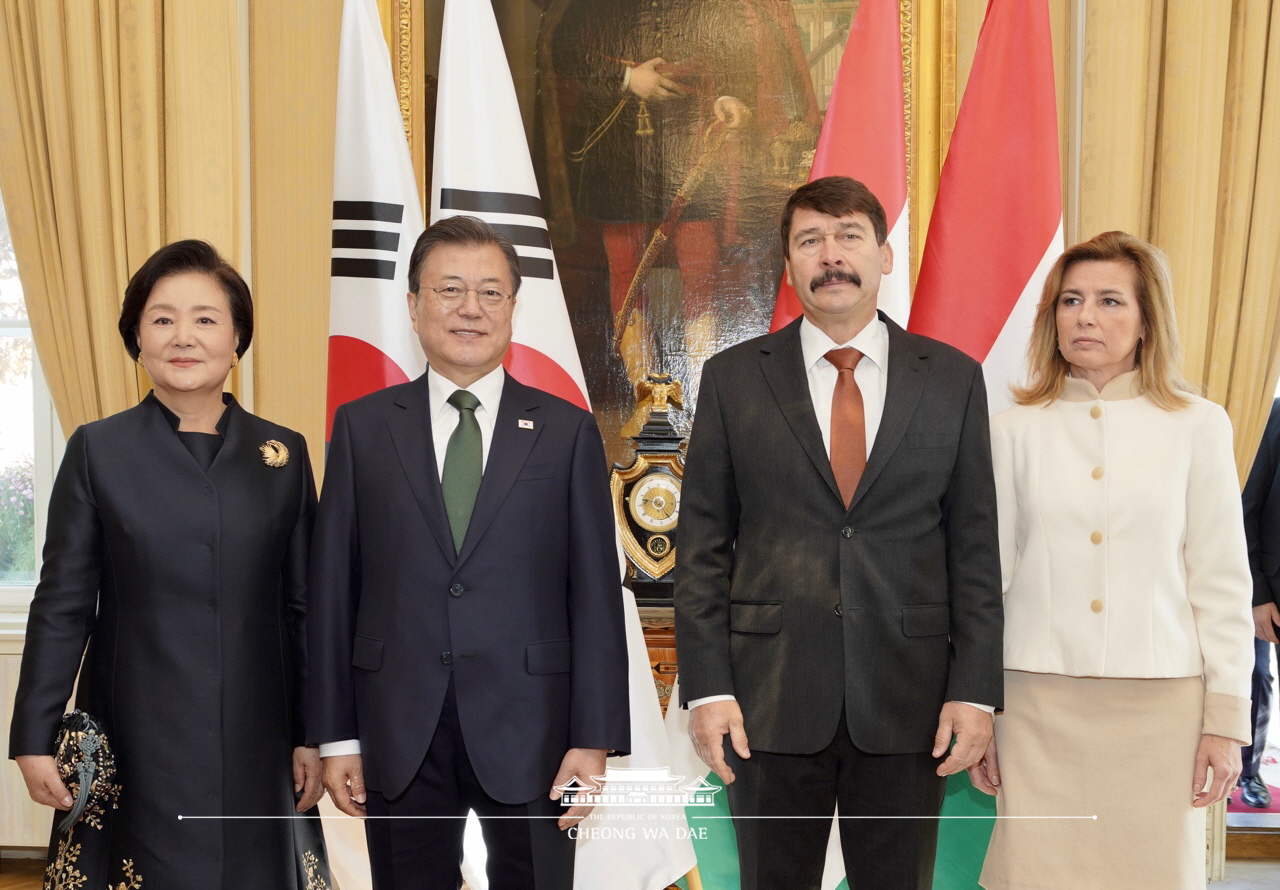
274,454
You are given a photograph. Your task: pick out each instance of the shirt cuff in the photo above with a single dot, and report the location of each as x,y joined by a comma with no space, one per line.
339,749
989,709
697,702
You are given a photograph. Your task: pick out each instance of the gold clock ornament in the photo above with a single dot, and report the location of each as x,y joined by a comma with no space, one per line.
655,501
646,494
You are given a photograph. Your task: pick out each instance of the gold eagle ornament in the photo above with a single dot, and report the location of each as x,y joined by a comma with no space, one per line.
274,454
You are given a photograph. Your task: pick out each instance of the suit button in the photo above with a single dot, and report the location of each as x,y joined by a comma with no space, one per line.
456,590
839,610
1096,605
847,532
1097,472
446,658
1096,537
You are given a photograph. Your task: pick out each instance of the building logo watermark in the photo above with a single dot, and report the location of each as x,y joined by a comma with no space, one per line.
638,787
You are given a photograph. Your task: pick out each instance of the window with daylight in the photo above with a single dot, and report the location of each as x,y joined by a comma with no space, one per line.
29,441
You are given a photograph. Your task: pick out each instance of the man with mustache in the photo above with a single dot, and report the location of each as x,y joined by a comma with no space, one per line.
838,605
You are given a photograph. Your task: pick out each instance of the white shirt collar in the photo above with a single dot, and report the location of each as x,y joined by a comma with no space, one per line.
488,389
872,341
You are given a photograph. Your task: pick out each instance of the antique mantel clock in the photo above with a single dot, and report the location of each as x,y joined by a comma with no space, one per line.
646,494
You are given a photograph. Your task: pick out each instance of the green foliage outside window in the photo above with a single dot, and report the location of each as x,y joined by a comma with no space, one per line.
17,521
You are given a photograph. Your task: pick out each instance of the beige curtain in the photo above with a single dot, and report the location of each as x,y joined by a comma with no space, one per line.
1244,354
90,113
78,172
293,58
1181,119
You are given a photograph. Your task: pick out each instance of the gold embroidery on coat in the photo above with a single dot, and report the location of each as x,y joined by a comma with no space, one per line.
315,881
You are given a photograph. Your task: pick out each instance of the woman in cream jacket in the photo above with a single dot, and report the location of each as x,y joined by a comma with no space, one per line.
1127,590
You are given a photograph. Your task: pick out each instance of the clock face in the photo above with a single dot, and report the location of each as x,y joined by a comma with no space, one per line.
655,502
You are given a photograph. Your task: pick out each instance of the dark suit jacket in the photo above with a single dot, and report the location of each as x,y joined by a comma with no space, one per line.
527,617
797,606
1262,513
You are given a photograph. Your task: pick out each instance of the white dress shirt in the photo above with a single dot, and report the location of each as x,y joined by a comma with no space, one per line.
444,417
871,374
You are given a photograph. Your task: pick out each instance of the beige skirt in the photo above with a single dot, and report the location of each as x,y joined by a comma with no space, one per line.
1122,751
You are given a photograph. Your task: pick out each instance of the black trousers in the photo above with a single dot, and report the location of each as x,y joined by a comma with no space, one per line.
415,840
1260,709
782,806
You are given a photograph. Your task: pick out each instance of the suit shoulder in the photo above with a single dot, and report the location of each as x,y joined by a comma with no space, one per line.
746,351
528,396
380,399
1205,411
260,426
939,351
1014,418
122,423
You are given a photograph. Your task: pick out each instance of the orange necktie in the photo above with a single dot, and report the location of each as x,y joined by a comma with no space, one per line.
848,428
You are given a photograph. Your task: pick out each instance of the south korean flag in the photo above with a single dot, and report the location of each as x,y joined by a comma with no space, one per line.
482,169
377,217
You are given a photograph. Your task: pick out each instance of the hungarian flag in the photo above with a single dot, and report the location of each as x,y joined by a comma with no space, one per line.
376,220
482,169
995,231
997,223
864,136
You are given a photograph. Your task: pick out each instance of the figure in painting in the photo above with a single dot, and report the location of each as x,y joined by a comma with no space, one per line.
680,121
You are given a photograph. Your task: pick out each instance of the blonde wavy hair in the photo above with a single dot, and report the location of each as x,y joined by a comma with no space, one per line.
1159,351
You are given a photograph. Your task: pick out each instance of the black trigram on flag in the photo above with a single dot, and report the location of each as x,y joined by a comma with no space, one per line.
381,246
481,203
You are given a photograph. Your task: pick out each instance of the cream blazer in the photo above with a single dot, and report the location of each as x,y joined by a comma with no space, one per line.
1122,544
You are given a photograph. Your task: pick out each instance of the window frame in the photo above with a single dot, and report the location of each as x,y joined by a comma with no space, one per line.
48,447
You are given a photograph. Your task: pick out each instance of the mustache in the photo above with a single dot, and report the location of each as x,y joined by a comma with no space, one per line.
835,275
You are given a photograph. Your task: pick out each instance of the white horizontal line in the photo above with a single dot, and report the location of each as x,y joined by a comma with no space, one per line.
688,815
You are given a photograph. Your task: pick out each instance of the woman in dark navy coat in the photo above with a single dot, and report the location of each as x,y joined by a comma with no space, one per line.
176,549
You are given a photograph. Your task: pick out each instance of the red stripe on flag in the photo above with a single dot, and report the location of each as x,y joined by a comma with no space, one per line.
1000,194
865,110
533,368
356,369
863,133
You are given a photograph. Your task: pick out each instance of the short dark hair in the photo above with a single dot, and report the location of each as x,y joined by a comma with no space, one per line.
174,259
834,196
461,231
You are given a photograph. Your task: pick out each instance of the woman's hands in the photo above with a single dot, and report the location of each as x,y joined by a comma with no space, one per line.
44,783
306,777
1223,755
985,774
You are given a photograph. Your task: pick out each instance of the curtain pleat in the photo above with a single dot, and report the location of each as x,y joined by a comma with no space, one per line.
119,131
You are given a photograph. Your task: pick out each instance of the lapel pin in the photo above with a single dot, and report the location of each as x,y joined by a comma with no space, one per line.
525,424
274,454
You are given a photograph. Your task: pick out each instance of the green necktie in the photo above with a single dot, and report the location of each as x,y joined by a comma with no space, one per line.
463,466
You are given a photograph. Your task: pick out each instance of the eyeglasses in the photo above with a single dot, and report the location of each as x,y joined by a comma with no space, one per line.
451,296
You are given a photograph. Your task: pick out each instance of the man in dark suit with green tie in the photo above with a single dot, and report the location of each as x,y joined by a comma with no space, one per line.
838,603
465,611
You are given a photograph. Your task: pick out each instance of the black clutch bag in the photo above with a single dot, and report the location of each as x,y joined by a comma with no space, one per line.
88,769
